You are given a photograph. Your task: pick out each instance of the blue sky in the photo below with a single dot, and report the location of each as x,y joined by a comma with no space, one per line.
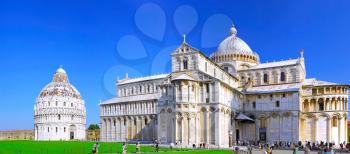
97,41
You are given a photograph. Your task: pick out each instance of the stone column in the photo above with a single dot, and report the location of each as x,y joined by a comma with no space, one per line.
339,129
197,129
189,133
346,130
257,126
117,129
107,129
218,118
103,128
132,128
176,129
183,130
280,128
210,92
112,130
315,129
207,125
142,127
329,129
138,127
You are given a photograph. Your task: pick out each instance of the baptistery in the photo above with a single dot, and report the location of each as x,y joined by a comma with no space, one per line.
59,111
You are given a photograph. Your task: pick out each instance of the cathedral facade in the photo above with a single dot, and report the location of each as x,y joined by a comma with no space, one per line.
59,111
224,98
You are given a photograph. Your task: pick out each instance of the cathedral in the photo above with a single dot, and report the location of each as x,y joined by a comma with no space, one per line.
226,97
59,111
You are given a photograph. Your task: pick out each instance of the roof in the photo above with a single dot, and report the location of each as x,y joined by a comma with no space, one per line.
153,77
292,87
243,117
132,98
275,64
183,77
234,44
315,82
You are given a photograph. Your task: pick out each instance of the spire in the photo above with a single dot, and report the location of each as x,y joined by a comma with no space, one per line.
302,53
233,30
184,38
126,76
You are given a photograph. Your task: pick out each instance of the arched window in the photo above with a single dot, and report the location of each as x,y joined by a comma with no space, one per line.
56,129
226,69
266,80
185,64
320,105
277,103
59,117
64,129
283,76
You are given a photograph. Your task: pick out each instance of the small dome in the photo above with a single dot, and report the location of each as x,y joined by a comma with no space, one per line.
234,44
61,70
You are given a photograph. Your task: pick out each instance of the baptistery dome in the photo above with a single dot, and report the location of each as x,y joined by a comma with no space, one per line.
59,112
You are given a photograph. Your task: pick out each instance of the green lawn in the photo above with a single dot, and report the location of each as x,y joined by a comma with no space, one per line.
76,147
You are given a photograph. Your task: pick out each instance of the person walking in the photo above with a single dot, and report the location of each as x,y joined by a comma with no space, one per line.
294,148
171,146
307,149
95,148
157,147
124,148
138,147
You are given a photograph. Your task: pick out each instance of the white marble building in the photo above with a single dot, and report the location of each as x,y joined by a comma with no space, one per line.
59,111
226,97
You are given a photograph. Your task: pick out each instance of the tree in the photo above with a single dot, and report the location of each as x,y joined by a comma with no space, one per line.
93,127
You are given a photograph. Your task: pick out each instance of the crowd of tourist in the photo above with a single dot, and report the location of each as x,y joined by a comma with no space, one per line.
322,147
267,147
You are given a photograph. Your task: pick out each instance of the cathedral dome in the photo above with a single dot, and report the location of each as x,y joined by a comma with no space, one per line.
234,44
234,49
